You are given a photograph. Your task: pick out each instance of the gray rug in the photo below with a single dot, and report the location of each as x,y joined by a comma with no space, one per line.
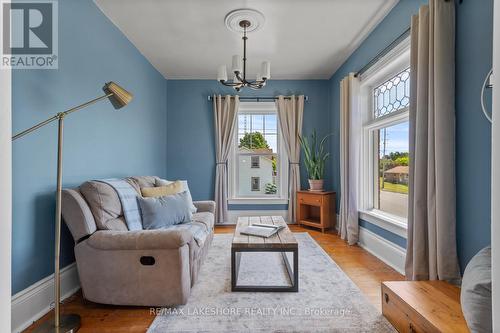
327,301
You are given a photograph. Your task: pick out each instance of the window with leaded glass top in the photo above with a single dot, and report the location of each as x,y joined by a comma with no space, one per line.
392,95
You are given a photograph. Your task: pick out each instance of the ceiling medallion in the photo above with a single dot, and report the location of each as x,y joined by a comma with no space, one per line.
244,21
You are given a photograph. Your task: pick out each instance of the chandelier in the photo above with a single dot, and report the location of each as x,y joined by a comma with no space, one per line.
244,20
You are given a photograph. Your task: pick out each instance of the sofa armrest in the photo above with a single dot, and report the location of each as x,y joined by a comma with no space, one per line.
139,240
205,206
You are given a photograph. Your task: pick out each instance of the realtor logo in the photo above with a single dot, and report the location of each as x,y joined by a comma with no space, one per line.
29,34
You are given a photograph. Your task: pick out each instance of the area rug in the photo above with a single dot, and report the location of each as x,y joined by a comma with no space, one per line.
327,301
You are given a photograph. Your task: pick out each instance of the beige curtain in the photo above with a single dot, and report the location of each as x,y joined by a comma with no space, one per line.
431,250
225,115
350,140
290,114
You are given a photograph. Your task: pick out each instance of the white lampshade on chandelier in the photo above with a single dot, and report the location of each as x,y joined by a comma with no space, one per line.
244,20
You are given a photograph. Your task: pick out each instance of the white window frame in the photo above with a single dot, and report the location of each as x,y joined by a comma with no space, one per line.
387,67
282,196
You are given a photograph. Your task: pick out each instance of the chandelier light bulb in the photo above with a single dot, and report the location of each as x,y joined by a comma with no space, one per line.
222,73
266,70
237,65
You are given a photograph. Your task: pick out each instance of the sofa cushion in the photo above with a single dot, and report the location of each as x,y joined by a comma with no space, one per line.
164,211
139,182
118,224
161,191
104,204
163,182
139,240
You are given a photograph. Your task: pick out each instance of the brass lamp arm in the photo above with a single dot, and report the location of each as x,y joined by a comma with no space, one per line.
59,116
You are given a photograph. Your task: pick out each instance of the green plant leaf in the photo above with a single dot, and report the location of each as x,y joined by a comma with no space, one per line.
315,156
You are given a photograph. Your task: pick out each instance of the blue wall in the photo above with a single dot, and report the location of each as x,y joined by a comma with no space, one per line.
473,61
190,127
99,141
473,151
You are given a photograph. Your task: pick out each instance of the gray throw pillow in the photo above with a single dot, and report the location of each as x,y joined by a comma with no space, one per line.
475,295
185,186
162,212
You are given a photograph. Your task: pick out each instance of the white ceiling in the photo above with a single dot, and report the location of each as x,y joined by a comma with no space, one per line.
303,39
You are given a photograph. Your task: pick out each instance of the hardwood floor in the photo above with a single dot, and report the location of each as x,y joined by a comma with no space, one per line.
365,270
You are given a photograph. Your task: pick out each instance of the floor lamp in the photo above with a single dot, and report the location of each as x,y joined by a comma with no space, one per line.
119,97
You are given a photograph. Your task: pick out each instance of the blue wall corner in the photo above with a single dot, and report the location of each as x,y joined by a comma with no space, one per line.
99,141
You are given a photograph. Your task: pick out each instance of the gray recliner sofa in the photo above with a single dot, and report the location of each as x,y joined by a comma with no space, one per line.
122,267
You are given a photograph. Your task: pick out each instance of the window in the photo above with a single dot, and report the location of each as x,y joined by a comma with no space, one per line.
392,95
255,184
255,161
391,183
385,100
258,165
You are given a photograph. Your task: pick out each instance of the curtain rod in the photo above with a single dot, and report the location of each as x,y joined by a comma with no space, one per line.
386,50
389,47
260,98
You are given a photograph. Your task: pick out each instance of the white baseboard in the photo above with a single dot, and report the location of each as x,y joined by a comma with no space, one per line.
34,302
393,255
234,214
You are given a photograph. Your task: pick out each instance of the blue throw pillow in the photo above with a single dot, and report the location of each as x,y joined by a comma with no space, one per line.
162,212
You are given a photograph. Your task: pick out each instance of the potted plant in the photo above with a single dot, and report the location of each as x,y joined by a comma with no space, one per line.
315,160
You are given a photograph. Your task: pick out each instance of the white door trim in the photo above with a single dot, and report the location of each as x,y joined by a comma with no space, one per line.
6,197
495,171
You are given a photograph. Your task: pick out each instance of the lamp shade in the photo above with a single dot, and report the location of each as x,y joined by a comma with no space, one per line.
237,65
266,70
222,73
120,97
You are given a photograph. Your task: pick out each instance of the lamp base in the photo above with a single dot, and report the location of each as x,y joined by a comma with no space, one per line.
67,324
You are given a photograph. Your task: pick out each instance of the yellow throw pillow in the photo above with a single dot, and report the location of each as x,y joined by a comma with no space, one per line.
161,191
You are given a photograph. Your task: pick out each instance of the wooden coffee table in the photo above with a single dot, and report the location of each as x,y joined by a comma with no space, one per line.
283,242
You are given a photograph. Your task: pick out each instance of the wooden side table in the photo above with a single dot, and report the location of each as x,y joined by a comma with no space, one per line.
316,209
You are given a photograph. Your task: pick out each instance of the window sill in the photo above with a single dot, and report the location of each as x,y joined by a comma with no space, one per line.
257,201
392,223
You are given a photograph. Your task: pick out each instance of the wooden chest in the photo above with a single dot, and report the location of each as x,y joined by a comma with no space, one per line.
423,306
